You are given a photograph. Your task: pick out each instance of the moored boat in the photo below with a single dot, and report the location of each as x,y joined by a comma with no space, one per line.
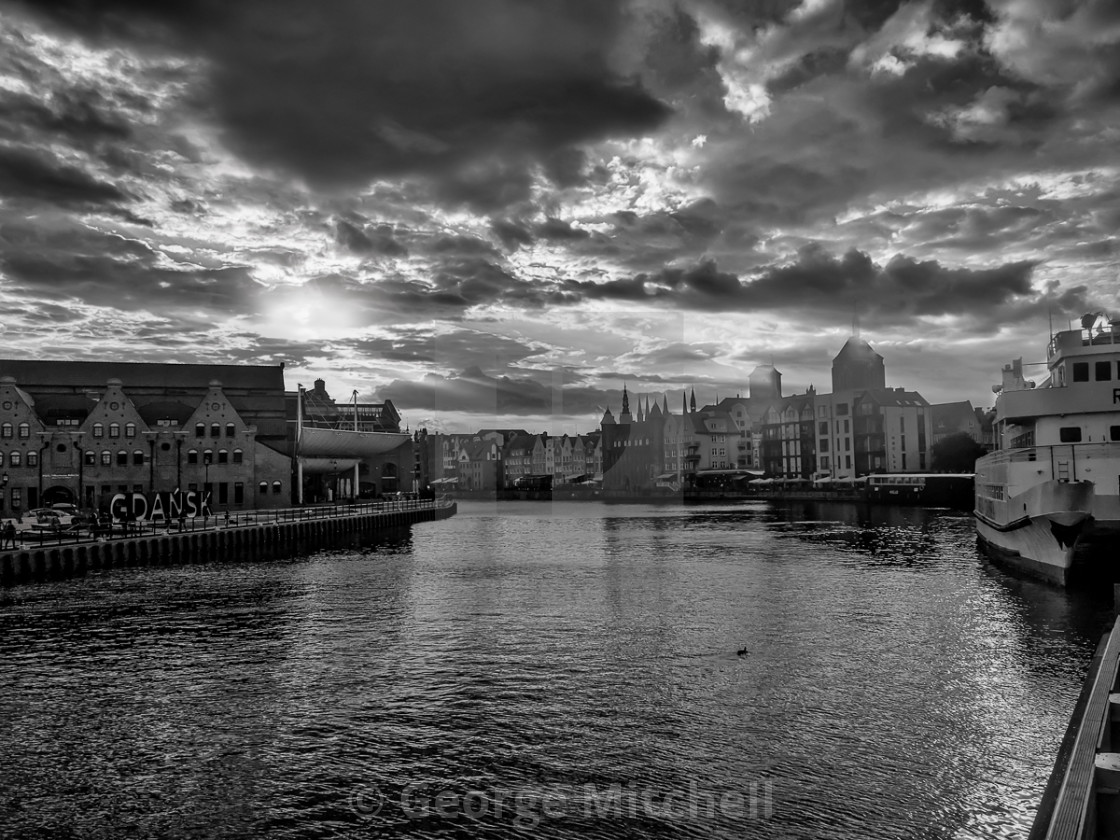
1048,498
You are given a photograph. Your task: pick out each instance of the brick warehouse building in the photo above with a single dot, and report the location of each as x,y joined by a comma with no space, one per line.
80,432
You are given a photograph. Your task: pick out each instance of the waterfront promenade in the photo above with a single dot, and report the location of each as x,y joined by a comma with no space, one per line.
246,535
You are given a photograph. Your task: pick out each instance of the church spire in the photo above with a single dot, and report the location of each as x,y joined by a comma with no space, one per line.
684,402
665,404
692,403
625,400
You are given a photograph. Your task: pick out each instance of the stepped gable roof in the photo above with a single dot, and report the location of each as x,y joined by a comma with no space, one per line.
954,415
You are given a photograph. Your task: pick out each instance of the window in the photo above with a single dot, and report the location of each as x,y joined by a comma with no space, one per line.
25,430
902,424
2,456
15,459
17,498
1080,371
231,429
824,445
848,461
842,409
223,493
130,430
138,458
192,456
263,488
90,457
114,430
238,492
208,456
1114,432
32,458
847,426
122,458
98,430
6,430
1103,372
1069,434
106,458
238,456
215,429
223,456
200,430
276,488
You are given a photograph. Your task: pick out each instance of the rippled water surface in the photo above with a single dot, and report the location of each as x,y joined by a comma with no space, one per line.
561,670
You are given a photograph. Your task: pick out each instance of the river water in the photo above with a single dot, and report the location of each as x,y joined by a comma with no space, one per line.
562,670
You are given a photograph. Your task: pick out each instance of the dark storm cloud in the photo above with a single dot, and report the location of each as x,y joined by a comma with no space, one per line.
371,239
79,265
470,93
512,234
82,114
447,350
38,176
818,285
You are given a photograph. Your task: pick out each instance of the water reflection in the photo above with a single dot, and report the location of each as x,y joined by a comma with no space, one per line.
893,686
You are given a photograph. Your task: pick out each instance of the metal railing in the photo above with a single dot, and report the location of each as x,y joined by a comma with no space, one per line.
240,519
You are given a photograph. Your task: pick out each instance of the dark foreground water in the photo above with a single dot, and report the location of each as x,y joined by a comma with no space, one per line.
565,670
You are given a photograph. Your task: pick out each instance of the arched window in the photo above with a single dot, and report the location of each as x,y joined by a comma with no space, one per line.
99,430
231,429
106,458
223,456
200,430
138,457
238,456
276,488
15,459
215,429
129,430
263,488
192,456
32,458
6,430
25,430
208,456
122,458
114,430
90,458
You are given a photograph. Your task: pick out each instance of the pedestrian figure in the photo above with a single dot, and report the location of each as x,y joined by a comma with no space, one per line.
10,535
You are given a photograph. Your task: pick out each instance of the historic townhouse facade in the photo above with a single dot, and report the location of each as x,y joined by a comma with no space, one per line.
153,429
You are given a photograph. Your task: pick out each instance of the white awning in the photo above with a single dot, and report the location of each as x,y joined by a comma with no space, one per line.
343,443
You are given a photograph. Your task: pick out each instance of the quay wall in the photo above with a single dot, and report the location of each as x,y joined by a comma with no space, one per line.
265,539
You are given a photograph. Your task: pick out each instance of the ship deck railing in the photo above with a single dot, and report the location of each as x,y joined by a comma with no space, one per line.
1042,452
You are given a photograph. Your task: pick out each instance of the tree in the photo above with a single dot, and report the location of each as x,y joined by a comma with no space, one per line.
956,453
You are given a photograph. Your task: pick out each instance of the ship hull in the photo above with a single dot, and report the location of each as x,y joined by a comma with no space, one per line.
1037,531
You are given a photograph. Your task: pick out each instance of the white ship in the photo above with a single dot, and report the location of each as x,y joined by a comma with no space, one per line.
1048,497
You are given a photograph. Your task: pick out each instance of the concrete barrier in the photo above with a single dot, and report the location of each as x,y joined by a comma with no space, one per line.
264,540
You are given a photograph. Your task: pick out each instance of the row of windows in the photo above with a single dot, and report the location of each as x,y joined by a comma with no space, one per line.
1072,434
215,430
6,430
18,459
1102,371
208,456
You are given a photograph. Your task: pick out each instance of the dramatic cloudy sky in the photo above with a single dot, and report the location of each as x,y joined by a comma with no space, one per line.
498,211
